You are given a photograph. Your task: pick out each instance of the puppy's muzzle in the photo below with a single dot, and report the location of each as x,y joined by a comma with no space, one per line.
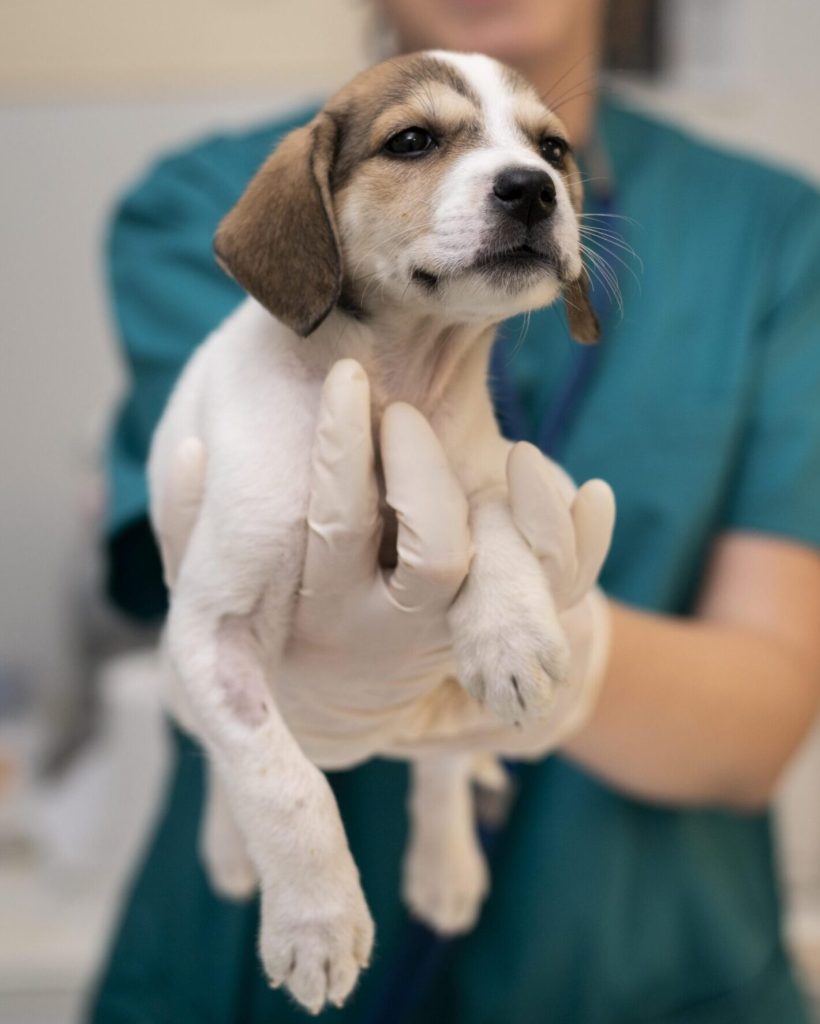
525,194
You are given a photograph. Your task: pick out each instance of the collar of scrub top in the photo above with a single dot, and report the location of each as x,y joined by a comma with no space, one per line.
553,424
421,952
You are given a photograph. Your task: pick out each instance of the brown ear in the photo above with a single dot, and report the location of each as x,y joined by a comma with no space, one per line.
583,321
280,240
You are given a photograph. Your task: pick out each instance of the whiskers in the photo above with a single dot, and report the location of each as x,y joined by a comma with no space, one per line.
574,87
597,269
613,244
522,334
602,247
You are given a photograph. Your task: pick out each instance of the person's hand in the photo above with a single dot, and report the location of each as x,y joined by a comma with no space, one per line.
369,648
570,529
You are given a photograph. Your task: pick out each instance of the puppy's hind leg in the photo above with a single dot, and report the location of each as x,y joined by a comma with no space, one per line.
221,846
445,873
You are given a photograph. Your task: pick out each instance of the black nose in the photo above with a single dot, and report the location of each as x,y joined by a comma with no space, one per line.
526,194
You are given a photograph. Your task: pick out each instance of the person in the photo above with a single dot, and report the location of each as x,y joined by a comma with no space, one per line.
634,879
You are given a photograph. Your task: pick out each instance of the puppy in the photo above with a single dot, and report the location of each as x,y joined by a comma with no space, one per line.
433,196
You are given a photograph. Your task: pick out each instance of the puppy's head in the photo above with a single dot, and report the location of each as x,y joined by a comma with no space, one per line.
436,181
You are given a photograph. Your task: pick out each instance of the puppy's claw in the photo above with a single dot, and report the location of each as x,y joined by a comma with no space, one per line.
521,702
341,979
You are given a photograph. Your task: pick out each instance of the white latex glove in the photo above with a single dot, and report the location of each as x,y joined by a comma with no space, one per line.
570,529
374,644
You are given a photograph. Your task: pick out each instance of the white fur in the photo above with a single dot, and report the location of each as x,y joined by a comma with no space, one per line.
462,190
251,394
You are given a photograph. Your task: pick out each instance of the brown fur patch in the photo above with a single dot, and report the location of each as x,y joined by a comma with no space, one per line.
280,240
581,316
413,91
281,243
409,90
422,68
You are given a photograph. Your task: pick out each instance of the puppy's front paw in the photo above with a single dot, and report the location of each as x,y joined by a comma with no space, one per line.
445,883
316,936
510,649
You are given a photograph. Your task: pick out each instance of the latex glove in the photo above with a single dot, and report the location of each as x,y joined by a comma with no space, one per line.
374,645
368,646
570,529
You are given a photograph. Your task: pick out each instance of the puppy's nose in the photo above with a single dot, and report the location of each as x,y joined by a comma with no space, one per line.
525,193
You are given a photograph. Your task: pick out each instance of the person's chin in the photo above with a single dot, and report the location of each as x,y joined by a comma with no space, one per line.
483,26
509,45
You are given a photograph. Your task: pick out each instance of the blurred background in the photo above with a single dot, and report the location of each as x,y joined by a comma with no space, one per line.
90,92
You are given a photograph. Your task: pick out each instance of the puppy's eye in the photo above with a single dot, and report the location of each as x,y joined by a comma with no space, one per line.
554,149
410,142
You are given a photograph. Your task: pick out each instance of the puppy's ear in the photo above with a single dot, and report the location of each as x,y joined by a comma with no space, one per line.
583,321
280,241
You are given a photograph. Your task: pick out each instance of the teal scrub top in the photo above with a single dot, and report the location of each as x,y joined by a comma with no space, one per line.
703,412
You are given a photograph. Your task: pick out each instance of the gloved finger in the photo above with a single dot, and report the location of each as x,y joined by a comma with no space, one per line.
593,517
343,510
540,499
181,503
433,542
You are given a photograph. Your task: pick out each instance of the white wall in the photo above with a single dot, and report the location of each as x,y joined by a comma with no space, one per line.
157,47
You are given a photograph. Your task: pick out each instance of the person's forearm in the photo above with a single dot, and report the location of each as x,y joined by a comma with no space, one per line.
696,712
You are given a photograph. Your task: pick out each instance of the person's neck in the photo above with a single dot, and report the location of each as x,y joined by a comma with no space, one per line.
569,89
567,79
